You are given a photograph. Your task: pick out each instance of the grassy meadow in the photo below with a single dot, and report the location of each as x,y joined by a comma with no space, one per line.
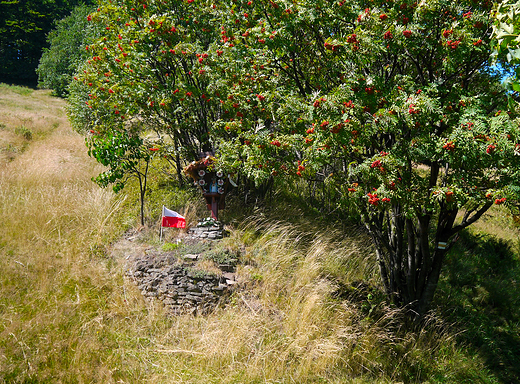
310,309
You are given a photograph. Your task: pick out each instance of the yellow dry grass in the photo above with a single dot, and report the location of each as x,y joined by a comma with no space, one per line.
52,217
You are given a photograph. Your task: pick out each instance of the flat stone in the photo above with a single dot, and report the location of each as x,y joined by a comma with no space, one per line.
229,276
194,298
193,288
190,256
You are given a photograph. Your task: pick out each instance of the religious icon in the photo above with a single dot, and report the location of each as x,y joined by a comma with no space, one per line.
213,187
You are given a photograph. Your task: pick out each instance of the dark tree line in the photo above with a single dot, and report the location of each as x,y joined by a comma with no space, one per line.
24,25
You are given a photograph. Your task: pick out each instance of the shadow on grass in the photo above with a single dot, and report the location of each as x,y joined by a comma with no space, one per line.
480,293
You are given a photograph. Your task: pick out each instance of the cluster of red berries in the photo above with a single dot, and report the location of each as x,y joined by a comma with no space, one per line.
453,44
317,103
374,200
449,146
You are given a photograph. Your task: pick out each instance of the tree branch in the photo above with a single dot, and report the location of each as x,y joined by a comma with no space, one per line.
472,219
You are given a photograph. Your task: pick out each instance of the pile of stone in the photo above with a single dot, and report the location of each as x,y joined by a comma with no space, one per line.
178,284
210,233
207,229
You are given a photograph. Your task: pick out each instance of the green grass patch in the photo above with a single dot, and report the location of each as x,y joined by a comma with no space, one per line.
168,247
20,90
480,294
23,131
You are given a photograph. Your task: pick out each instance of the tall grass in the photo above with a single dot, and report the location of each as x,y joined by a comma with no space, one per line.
308,309
52,289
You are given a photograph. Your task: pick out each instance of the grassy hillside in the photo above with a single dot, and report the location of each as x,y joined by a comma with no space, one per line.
309,311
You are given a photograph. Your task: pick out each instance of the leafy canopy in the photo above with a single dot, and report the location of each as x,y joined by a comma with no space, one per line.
150,67
387,87
66,51
393,104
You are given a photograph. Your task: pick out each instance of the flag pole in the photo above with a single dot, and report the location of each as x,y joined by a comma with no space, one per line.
162,214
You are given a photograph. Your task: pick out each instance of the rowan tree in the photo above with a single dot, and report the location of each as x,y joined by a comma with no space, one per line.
150,67
394,102
145,84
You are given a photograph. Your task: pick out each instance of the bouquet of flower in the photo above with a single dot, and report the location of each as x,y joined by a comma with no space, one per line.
197,169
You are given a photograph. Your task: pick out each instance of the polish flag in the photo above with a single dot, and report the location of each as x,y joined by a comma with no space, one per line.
172,219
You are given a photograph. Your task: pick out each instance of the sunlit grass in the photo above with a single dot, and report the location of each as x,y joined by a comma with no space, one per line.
52,217
24,91
309,308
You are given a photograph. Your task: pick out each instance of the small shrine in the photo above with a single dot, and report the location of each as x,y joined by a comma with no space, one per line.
212,182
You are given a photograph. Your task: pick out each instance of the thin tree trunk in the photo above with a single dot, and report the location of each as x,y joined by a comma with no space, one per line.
142,188
424,301
141,198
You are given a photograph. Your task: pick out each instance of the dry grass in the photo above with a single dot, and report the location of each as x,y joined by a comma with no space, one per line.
498,222
53,218
67,313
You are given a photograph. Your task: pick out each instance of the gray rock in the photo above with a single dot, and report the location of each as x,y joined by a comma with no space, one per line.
229,276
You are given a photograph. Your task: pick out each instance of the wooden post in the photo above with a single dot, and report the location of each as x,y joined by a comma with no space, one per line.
214,207
213,203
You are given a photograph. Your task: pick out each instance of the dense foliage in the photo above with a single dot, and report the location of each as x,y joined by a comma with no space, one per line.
392,104
66,51
395,105
148,68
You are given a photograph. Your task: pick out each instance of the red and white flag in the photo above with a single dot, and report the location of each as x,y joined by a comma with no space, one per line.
172,219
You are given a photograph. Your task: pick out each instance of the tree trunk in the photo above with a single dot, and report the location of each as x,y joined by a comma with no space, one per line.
409,256
143,178
178,168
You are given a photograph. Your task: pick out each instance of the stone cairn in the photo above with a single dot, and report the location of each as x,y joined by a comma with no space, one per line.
177,283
